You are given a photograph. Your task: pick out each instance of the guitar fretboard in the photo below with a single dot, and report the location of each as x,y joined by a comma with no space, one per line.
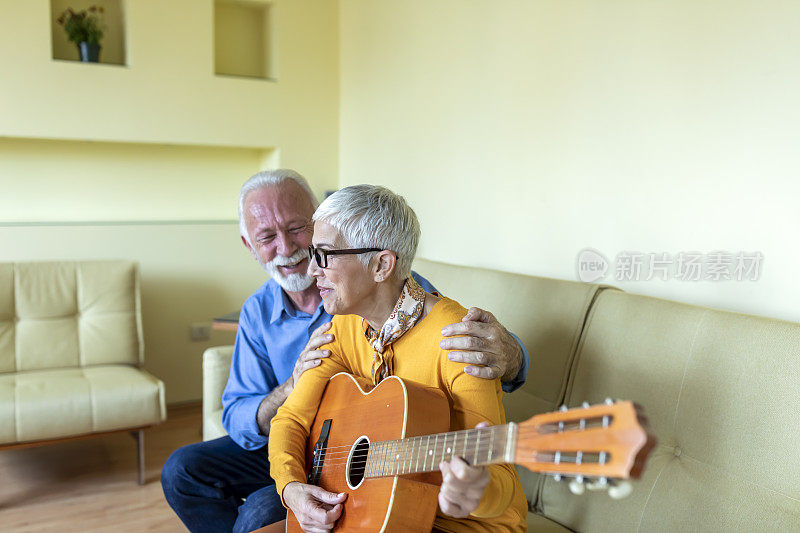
482,446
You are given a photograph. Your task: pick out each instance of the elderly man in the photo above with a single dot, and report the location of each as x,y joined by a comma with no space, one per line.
281,328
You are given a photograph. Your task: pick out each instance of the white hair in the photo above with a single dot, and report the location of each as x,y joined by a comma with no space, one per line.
269,178
371,216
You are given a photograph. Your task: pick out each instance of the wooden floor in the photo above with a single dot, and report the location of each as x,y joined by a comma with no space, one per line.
90,485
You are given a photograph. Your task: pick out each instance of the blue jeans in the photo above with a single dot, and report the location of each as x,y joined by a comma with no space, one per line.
205,483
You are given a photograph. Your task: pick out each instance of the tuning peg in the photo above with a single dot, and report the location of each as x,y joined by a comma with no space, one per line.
585,405
620,490
598,484
577,487
556,477
563,408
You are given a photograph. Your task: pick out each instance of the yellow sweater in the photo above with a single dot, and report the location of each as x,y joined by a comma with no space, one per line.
415,356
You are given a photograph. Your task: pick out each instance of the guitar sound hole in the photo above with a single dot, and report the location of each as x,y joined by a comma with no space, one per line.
357,462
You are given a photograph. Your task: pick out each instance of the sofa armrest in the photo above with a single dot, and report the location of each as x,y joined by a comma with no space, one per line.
216,367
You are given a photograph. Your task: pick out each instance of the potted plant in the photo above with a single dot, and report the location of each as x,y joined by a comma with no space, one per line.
85,28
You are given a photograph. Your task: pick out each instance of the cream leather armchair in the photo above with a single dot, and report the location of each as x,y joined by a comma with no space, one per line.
216,367
71,354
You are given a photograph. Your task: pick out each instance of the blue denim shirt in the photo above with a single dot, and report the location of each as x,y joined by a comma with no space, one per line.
272,334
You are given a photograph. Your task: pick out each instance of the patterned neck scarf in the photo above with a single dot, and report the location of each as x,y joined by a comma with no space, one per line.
405,314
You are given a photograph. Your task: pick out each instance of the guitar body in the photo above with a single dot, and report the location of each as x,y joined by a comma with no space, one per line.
394,409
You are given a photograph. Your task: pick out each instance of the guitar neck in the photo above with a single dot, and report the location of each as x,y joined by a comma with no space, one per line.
482,446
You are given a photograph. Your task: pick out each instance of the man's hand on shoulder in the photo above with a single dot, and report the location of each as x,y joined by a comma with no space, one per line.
311,355
484,342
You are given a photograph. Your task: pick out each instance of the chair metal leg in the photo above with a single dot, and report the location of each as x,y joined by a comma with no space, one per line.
139,436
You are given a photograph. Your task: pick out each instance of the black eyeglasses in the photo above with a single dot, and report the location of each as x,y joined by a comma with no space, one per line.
321,255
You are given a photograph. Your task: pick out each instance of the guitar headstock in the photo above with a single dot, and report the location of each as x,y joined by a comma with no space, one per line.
606,442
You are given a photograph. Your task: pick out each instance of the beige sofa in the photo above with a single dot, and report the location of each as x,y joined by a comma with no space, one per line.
719,388
71,353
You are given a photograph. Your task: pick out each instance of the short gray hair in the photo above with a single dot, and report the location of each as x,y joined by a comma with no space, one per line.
371,216
270,178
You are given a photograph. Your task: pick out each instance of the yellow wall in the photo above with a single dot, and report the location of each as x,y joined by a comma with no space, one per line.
144,161
80,180
524,131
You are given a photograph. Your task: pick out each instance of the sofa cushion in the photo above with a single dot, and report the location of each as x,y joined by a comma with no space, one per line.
216,368
212,425
539,524
67,314
48,404
720,392
8,318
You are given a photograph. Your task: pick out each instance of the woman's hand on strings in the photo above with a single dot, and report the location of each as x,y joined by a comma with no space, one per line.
462,485
314,507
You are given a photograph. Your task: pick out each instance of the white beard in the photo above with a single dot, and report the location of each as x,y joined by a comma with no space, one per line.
296,282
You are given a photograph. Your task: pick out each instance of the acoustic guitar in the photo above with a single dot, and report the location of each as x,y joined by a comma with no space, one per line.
383,448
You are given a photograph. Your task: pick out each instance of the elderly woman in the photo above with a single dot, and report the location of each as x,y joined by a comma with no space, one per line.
365,238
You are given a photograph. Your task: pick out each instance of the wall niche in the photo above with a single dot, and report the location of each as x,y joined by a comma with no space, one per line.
113,47
244,39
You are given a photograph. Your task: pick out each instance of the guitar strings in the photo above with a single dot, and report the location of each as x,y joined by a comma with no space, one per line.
441,435
406,448
480,433
359,459
364,455
541,457
400,472
406,455
403,453
357,469
521,433
545,457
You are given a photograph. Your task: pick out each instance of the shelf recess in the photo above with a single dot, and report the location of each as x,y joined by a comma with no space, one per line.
113,45
243,38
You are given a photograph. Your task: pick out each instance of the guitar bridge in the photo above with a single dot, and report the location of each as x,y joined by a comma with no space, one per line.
318,456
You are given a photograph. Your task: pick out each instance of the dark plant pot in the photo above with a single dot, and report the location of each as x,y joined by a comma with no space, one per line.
90,52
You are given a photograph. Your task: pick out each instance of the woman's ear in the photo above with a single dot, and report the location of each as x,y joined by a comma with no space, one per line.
383,265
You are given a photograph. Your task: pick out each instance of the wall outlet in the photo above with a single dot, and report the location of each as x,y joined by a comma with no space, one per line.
200,331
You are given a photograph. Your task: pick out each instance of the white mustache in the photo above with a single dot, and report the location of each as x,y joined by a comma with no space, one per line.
291,260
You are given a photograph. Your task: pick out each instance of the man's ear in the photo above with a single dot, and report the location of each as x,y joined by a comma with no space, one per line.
247,245
383,265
